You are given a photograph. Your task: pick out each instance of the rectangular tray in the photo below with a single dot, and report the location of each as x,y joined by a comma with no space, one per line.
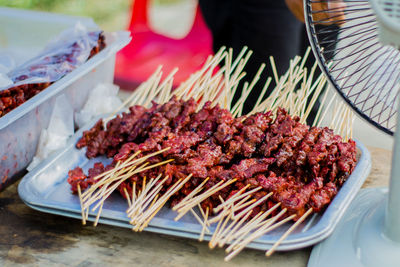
20,129
46,189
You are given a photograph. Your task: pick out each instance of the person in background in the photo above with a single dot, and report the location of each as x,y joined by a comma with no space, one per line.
268,27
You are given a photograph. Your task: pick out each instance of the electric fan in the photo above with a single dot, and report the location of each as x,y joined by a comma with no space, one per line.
362,40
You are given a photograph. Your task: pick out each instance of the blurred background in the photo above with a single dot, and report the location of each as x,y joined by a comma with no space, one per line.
172,18
114,15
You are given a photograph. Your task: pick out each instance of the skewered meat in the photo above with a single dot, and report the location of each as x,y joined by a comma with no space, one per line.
15,96
303,167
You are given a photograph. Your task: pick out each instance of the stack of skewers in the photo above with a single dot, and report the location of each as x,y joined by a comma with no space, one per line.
192,148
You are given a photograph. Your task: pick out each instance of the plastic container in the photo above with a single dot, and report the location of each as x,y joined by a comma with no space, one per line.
24,34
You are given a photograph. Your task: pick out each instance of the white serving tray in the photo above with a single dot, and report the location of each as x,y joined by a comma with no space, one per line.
46,189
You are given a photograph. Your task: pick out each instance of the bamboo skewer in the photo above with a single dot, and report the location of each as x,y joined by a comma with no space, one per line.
234,250
98,214
80,200
294,90
190,195
106,190
237,196
240,205
255,204
103,186
198,199
204,225
146,216
247,227
285,235
260,223
242,232
145,199
128,163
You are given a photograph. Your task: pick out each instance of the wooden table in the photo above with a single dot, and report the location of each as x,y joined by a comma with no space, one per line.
30,237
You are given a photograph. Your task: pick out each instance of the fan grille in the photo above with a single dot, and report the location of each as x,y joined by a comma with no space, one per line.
391,8
363,71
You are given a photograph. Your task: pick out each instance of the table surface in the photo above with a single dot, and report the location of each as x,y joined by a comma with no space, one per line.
29,237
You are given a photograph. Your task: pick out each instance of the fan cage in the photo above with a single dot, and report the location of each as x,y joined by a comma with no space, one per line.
344,38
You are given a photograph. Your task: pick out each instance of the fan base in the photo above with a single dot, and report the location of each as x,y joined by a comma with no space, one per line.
358,240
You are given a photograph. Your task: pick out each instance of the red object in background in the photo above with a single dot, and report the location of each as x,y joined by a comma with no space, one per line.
147,50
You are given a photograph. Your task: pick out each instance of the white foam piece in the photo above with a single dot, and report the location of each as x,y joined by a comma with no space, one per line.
103,99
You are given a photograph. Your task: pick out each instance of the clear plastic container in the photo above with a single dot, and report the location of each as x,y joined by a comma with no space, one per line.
24,34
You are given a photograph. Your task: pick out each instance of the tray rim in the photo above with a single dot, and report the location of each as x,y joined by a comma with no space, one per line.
319,231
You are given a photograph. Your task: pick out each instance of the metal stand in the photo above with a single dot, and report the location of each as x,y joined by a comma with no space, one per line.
358,240
392,215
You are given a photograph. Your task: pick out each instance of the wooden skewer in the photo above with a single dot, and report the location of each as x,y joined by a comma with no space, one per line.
235,233
322,106
234,208
126,164
245,229
204,226
104,176
105,189
102,186
241,234
259,225
144,195
236,225
202,212
118,180
172,190
223,236
327,108
314,98
133,200
190,195
211,243
285,235
140,225
242,204
128,198
253,236
134,94
182,207
98,215
80,200
261,96
237,196
158,205
147,221
199,220
276,225
217,234
102,201
272,62
255,204
202,197
270,211
239,58
146,199
223,214
155,189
